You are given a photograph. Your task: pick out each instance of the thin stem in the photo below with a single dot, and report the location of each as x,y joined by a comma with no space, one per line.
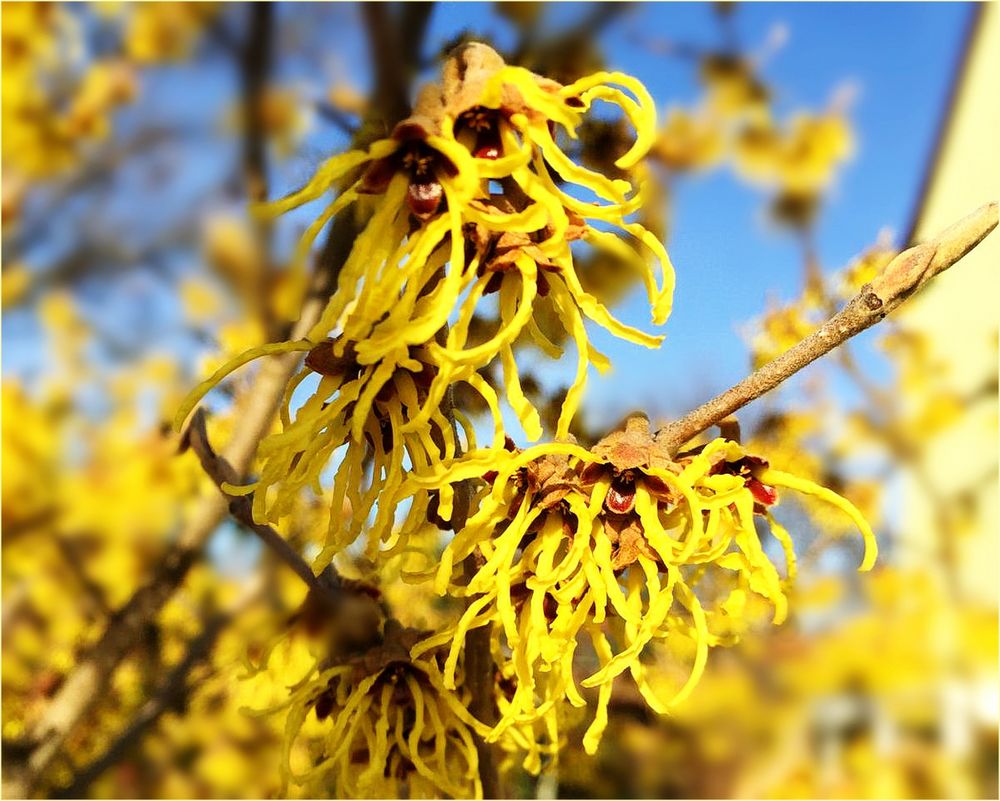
171,694
241,508
902,278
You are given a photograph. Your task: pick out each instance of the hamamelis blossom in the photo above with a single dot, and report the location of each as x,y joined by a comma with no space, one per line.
391,729
569,540
357,414
439,238
436,242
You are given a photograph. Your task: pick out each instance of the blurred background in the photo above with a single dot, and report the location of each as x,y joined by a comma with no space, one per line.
800,147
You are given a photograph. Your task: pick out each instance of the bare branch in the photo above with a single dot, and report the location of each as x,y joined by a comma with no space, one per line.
905,275
171,693
339,118
241,507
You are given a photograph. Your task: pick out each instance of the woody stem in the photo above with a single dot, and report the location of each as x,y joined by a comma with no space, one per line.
903,277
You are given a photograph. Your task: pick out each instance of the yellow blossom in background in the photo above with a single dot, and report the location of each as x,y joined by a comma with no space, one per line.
863,269
779,329
387,723
16,284
106,84
347,98
689,141
283,116
164,31
732,89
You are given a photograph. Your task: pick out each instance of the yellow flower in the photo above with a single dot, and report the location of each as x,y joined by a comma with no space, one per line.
864,268
389,726
815,145
800,158
16,283
438,240
569,540
165,31
359,411
487,124
689,141
733,91
779,329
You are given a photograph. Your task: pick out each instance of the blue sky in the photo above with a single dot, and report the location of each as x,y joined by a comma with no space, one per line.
899,57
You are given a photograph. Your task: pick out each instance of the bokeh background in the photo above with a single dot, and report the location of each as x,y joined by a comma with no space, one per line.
800,147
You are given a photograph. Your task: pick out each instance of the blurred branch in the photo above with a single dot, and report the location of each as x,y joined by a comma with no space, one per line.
71,555
597,17
905,275
107,256
479,668
667,47
395,39
99,168
339,118
255,64
92,674
171,694
254,60
255,411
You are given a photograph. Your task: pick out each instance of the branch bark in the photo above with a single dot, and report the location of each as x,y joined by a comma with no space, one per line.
84,686
479,666
329,583
904,276
171,693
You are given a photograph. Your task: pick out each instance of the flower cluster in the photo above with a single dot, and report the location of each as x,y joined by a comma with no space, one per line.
471,196
388,723
570,540
735,121
45,129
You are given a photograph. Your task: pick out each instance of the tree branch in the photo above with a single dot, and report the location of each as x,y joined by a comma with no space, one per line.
904,276
329,583
84,686
170,694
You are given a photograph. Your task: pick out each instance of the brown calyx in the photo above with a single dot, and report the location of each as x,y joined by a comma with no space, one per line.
632,445
389,657
548,479
325,359
392,651
499,251
630,542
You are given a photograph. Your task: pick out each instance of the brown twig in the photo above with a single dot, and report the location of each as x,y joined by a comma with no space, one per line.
85,685
901,279
479,668
241,506
171,693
